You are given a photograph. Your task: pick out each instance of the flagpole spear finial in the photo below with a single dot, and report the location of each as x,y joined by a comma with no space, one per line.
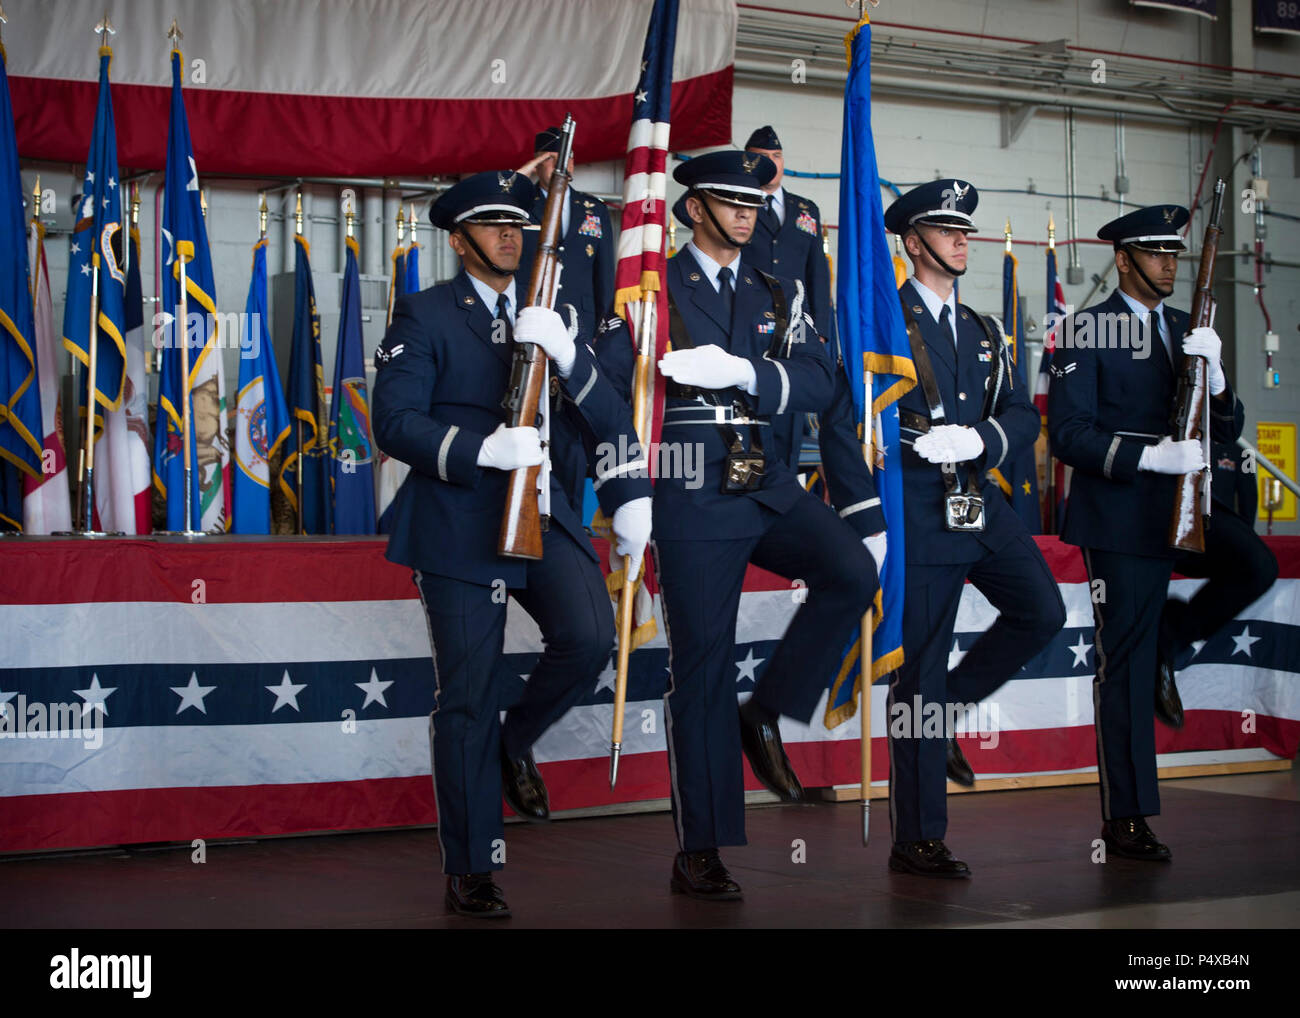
350,215
203,202
1007,234
262,213
297,215
135,203
1051,232
36,188
410,218
175,34
401,225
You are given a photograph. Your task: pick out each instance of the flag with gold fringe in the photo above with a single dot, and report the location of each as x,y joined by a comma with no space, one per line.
874,341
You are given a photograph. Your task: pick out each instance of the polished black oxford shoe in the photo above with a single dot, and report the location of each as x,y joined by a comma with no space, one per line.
523,787
958,769
475,894
1131,838
702,875
929,858
1169,705
760,738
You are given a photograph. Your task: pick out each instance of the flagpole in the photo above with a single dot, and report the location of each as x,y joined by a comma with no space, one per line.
297,221
1050,481
87,472
864,644
184,254
646,326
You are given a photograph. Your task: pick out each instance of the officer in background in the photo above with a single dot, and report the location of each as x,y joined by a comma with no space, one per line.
1109,410
965,417
442,370
588,243
1240,568
787,242
744,349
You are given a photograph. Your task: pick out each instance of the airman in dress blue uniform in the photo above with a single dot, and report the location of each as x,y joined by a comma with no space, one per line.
787,242
442,370
588,242
745,348
1109,406
969,421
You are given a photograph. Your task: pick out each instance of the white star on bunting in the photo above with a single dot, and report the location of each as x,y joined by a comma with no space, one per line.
374,690
607,677
1080,652
95,696
955,655
286,693
745,669
1242,643
192,694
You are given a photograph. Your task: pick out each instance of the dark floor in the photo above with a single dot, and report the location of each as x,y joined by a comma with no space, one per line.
1236,845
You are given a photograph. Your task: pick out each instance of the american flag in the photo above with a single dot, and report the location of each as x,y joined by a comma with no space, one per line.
1054,488
638,277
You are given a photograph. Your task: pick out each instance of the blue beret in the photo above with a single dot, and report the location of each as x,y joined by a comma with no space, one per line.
946,202
493,197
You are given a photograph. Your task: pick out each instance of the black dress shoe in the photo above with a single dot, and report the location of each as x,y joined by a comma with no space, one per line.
1169,705
760,737
958,769
926,859
523,787
702,875
1131,838
476,894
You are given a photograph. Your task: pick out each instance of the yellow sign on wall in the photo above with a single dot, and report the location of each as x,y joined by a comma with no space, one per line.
1277,442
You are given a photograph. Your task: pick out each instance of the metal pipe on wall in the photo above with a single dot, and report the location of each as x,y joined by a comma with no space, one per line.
1074,270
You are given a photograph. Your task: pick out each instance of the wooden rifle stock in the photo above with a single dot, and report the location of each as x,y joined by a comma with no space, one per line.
1192,402
521,523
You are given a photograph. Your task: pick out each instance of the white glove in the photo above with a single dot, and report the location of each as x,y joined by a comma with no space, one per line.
1205,342
709,367
1170,457
876,544
949,443
631,526
511,448
547,329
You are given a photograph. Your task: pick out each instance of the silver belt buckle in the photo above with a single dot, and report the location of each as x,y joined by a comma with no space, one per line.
720,414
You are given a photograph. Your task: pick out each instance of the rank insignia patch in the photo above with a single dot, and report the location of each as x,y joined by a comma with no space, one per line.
806,223
590,226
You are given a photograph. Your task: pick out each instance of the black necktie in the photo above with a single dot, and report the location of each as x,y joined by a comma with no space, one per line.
1156,336
503,313
945,323
725,291
769,214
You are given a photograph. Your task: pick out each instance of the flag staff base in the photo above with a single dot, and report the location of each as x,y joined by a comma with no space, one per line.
615,750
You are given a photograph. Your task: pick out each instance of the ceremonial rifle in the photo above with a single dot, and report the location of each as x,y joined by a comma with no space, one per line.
1191,416
522,523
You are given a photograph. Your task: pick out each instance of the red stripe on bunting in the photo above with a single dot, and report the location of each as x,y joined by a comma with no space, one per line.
266,133
33,823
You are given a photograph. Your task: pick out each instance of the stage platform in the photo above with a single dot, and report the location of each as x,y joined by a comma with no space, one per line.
1235,839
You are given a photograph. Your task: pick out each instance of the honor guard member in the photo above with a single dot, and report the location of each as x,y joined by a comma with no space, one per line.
849,483
964,418
1239,566
744,349
586,284
1108,417
787,242
443,368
